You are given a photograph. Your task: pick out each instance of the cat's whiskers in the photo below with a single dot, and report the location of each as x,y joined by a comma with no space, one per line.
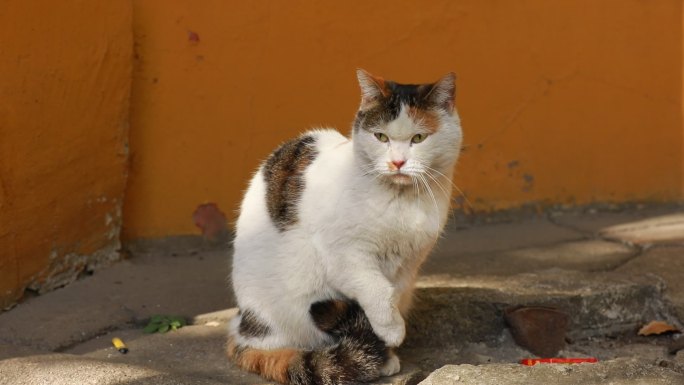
426,171
447,195
429,190
465,198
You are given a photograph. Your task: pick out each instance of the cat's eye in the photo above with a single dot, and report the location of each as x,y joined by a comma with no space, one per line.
381,137
417,138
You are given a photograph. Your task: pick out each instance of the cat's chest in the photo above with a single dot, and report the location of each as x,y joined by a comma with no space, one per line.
402,216
401,230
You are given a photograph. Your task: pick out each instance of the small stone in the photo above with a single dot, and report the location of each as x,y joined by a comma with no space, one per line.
539,329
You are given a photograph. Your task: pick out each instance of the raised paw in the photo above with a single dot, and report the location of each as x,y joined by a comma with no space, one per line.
391,366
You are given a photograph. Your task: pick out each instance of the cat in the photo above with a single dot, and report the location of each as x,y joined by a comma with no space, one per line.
332,231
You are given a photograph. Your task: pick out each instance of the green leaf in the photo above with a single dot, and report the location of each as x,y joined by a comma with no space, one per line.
163,323
151,328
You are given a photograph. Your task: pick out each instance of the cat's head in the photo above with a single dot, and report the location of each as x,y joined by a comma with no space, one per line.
406,131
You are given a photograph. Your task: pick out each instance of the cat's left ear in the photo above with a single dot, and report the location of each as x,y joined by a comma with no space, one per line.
442,92
373,88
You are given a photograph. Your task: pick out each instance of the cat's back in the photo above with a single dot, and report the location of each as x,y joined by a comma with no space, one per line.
272,201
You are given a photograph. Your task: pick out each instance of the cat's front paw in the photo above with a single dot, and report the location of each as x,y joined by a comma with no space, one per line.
393,332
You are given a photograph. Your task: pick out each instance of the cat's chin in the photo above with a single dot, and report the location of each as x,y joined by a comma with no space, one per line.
401,179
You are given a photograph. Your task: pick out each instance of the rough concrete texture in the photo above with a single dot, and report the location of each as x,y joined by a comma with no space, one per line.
667,263
63,369
609,289
623,371
125,294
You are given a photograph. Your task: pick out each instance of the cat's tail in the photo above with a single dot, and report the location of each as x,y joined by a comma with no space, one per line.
357,356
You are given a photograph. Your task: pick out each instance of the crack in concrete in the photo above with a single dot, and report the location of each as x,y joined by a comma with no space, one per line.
91,336
584,233
637,250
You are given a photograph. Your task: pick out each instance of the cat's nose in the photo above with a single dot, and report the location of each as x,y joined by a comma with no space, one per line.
398,163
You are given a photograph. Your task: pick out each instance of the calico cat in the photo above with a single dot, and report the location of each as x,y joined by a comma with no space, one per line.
331,234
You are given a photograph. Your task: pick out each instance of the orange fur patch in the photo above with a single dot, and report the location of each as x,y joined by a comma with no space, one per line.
340,306
424,118
270,364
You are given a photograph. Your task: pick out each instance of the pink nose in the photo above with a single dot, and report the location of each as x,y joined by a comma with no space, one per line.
398,163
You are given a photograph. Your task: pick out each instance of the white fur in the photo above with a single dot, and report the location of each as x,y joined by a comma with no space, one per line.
361,233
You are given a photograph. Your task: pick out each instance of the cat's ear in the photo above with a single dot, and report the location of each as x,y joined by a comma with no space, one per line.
442,92
373,88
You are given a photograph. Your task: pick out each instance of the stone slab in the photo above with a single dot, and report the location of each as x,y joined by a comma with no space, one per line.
452,310
579,255
664,229
592,220
462,239
616,372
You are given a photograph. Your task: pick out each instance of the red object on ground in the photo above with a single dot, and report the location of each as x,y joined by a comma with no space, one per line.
534,361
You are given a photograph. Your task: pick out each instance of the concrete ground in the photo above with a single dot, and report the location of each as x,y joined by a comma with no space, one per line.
610,270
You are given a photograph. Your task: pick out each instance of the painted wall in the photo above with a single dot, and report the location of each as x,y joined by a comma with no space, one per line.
65,74
562,101
570,101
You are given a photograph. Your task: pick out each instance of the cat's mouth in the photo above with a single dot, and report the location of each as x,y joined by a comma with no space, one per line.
401,178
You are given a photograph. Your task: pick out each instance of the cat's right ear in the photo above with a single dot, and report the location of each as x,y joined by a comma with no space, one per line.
373,88
442,92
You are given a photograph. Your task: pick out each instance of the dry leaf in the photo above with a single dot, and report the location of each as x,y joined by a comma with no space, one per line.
657,327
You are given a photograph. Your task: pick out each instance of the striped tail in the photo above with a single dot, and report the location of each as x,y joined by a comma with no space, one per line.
357,356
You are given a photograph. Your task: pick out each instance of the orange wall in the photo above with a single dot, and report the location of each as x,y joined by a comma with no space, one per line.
65,78
562,101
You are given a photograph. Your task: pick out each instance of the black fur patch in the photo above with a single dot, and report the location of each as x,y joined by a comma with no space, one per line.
387,108
357,356
328,315
283,173
252,326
